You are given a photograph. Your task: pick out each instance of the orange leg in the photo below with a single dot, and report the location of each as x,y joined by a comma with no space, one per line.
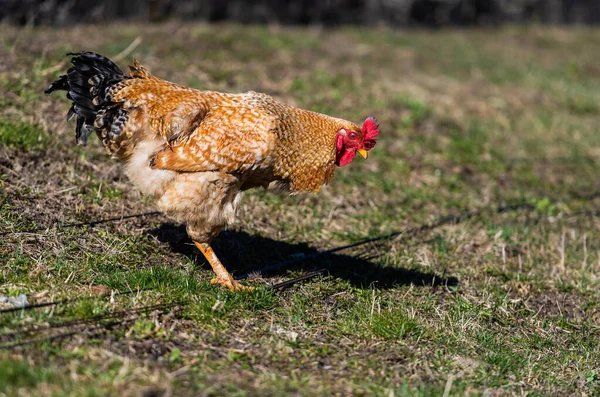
223,276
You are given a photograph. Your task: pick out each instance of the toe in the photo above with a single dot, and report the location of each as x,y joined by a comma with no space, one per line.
230,284
239,287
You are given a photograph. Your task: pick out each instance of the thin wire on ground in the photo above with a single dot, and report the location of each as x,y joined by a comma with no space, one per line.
79,325
79,224
66,301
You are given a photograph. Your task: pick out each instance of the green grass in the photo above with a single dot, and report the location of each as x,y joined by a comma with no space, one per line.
496,303
22,135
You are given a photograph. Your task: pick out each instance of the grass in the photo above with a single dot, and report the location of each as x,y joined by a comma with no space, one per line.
22,135
498,303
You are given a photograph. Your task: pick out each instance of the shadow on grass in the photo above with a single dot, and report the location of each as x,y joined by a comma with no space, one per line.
243,253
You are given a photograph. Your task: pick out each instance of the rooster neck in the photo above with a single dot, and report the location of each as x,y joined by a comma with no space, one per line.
305,152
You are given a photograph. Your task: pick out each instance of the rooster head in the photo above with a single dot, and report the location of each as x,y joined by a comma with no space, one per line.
348,142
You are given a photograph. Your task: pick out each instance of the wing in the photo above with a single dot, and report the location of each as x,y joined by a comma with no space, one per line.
169,109
229,139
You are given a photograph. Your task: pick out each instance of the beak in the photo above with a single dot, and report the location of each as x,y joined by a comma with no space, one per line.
363,153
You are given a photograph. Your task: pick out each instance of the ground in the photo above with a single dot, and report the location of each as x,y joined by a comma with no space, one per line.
486,174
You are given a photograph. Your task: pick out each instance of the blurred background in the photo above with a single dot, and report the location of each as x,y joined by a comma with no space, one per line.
305,12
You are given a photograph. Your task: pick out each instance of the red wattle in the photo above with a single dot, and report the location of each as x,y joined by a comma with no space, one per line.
343,156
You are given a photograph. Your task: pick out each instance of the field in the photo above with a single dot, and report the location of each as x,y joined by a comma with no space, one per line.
484,187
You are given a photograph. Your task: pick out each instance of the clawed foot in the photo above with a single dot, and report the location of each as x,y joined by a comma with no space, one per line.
231,284
223,277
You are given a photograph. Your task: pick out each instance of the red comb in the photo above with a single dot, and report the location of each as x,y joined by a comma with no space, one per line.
370,130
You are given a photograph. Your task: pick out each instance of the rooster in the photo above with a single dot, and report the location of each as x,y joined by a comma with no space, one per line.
195,151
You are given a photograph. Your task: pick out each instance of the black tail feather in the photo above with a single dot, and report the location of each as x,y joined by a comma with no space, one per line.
87,84
60,84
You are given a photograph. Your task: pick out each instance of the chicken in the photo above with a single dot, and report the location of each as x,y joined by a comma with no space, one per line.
195,151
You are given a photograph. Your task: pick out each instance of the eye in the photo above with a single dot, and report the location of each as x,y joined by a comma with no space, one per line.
352,135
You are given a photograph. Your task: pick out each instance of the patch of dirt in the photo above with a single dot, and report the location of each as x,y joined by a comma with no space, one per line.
559,304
